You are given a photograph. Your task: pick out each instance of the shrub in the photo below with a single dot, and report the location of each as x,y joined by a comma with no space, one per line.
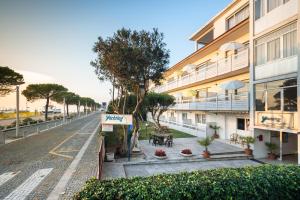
262,182
2,127
160,152
27,120
186,151
205,142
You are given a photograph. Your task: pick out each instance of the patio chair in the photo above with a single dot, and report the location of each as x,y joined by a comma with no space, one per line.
169,141
234,138
155,140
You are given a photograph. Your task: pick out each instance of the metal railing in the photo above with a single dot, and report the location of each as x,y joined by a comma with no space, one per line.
229,102
222,66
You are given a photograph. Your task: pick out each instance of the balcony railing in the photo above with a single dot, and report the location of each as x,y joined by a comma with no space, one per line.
221,102
276,119
222,66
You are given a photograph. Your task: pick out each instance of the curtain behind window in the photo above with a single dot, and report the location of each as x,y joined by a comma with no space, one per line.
273,50
290,44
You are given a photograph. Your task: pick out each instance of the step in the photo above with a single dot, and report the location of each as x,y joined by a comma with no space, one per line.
228,153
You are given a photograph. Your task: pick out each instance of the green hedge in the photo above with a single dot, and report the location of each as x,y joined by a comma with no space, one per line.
262,182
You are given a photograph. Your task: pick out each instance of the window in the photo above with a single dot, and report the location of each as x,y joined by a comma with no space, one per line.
237,17
273,50
184,116
241,123
200,118
290,44
259,9
275,93
260,57
272,4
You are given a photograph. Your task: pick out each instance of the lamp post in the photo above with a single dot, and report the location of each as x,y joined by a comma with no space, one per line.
18,107
79,108
64,118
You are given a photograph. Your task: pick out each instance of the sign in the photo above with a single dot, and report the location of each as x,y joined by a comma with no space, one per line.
276,119
107,128
116,119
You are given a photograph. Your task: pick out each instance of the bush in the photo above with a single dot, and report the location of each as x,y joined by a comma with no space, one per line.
27,120
262,182
2,127
186,151
160,153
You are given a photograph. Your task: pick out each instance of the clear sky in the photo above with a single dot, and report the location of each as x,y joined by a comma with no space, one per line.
54,38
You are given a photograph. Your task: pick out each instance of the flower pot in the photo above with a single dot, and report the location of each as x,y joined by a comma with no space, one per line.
248,152
206,154
216,136
271,156
186,155
160,157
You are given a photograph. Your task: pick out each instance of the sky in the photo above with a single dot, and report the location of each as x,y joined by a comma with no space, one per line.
52,40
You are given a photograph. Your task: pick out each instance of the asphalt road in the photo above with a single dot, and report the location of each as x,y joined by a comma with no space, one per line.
31,168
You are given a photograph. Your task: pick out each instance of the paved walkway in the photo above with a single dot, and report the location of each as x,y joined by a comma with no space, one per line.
147,164
183,143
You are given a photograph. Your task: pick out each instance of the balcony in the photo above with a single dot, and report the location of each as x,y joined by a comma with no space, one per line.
220,67
277,120
277,67
218,103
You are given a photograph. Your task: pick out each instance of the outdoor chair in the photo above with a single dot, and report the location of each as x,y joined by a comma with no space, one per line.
169,141
234,138
155,140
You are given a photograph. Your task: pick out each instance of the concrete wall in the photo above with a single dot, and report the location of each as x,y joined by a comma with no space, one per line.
260,150
276,16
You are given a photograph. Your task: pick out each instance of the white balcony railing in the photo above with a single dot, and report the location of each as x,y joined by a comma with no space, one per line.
222,66
221,102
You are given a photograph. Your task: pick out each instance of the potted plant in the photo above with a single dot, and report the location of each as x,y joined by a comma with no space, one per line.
160,154
215,128
186,153
271,147
248,140
205,143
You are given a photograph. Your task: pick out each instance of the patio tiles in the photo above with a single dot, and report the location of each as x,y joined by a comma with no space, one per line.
183,143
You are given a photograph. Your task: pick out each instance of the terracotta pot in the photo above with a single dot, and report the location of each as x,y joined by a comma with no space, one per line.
206,154
248,152
271,156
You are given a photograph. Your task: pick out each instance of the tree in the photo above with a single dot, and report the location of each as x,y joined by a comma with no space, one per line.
70,99
9,78
130,60
157,104
43,91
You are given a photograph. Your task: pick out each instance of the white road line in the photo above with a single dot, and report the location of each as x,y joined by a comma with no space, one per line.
61,185
28,185
7,176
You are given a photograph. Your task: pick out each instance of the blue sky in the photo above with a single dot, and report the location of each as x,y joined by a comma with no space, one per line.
55,37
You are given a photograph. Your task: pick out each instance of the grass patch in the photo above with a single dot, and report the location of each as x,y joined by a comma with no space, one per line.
144,135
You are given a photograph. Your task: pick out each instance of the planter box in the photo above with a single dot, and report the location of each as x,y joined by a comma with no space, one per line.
160,157
186,155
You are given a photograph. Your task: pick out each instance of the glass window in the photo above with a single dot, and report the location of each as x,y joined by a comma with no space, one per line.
274,99
290,99
197,118
258,9
260,57
260,98
184,116
203,119
240,123
273,50
290,44
272,4
230,22
242,15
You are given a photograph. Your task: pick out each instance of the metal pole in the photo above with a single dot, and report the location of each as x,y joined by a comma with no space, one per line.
17,111
85,108
79,108
64,118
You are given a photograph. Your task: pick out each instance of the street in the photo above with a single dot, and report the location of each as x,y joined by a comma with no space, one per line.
31,168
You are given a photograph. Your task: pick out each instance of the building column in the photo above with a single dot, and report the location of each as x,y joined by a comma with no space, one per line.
298,144
280,145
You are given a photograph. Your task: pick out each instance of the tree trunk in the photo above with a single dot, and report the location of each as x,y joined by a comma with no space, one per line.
46,108
67,109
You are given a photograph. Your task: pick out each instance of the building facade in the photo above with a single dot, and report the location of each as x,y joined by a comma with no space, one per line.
274,72
242,76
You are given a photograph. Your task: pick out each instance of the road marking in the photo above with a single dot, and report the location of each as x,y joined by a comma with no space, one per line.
7,176
28,185
61,185
53,151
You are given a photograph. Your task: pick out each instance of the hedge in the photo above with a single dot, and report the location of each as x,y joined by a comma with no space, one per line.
262,182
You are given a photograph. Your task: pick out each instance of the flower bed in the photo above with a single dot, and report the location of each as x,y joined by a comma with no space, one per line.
262,182
160,154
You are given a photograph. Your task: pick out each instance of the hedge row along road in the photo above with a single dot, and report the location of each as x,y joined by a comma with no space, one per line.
263,182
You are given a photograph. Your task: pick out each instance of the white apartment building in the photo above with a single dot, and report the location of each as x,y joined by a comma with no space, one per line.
274,76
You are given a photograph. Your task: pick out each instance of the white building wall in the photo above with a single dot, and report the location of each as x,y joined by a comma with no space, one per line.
260,149
276,16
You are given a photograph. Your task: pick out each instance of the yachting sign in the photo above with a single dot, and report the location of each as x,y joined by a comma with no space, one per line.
116,119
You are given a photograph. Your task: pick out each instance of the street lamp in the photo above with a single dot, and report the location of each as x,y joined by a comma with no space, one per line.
17,84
